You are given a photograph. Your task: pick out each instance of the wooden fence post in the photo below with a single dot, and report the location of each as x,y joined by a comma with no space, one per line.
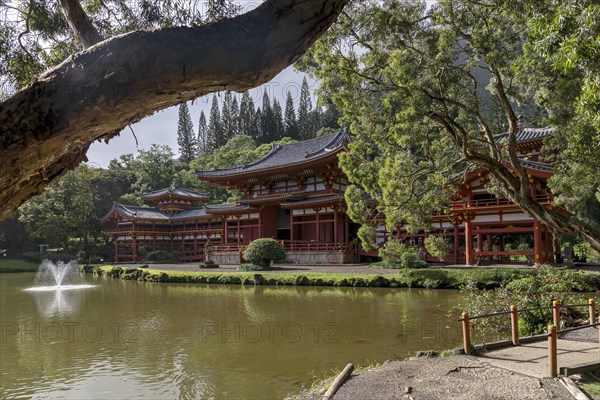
466,333
556,314
592,310
552,353
514,322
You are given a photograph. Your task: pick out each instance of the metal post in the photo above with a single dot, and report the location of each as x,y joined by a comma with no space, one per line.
552,362
466,333
592,310
556,313
514,322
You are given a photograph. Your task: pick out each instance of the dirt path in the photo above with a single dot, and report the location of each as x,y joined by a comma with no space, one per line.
449,378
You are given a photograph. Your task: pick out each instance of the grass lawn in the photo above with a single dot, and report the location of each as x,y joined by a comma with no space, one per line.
18,266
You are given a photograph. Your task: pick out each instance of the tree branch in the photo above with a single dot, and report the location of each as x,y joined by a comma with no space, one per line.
81,26
47,127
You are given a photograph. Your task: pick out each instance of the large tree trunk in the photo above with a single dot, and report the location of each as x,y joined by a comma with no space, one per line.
48,127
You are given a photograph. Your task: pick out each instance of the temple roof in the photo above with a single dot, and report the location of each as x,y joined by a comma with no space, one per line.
528,134
313,200
537,165
285,155
229,207
138,212
192,213
175,192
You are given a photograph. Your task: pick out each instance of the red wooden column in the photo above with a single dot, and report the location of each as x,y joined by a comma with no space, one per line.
335,225
318,225
239,236
134,247
134,237
456,240
116,249
468,242
226,230
291,227
537,242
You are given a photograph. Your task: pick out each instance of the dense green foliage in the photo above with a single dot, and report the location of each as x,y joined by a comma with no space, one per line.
437,246
536,289
395,254
35,36
186,137
263,251
428,91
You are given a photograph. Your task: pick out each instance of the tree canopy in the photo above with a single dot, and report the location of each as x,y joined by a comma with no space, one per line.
428,91
126,71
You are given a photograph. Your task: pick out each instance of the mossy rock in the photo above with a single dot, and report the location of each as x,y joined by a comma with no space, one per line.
163,277
379,281
302,281
259,279
247,281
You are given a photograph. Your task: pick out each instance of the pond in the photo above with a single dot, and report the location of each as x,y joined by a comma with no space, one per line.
128,339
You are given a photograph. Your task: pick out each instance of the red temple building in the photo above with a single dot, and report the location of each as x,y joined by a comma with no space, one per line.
295,195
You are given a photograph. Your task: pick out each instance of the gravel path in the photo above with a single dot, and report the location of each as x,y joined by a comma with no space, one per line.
582,335
449,378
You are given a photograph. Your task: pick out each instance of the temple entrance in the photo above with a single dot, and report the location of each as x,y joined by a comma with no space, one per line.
283,224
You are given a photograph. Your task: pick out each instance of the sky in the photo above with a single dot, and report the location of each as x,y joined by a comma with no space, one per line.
161,128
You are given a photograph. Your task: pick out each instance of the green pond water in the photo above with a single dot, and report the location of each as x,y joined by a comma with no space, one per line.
124,339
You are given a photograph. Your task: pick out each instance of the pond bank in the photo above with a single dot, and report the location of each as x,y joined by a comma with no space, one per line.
457,377
428,278
420,278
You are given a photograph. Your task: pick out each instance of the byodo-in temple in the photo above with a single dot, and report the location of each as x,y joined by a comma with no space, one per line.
295,195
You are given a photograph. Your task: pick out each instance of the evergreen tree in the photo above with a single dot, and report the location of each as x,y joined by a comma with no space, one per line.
247,115
278,121
215,129
202,134
185,135
235,116
227,121
256,125
290,122
267,122
304,108
330,116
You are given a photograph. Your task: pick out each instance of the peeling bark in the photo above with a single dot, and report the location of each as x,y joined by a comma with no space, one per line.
47,127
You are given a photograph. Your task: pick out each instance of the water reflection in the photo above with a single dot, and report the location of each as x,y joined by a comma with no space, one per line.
129,339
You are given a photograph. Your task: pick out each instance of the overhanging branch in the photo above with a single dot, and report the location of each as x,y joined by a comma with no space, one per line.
47,127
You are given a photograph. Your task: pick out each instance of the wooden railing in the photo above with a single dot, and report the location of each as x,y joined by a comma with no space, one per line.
483,203
553,328
309,245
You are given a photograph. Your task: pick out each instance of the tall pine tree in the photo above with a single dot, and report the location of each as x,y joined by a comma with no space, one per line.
290,121
267,122
235,116
215,129
246,119
278,120
304,121
185,135
227,121
202,134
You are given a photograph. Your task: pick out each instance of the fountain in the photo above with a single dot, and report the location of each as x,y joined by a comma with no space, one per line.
51,276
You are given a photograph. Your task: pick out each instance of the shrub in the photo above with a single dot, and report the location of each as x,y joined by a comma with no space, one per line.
37,257
250,267
263,251
161,256
437,246
585,252
396,254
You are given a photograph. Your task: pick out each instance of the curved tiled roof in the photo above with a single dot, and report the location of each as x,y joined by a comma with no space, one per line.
540,166
311,200
528,134
175,191
283,155
139,212
197,212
